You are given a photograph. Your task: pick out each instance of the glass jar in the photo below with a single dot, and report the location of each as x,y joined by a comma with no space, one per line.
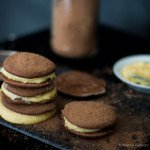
74,27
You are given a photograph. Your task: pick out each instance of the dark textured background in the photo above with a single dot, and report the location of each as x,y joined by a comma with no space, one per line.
19,17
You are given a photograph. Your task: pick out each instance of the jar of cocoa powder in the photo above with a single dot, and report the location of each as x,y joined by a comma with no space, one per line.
74,27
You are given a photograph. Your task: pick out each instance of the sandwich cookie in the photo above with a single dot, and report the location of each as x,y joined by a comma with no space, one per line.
17,118
26,69
28,109
47,96
80,84
89,118
28,92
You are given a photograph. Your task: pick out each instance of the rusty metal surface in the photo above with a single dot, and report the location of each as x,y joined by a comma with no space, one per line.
133,127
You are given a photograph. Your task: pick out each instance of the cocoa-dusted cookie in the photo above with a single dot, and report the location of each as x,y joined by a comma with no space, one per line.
26,69
28,92
80,84
29,85
97,134
28,109
21,101
89,118
17,118
28,65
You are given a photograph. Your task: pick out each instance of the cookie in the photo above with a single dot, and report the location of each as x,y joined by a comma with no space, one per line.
18,118
80,84
28,92
97,134
95,119
50,95
28,109
28,67
29,85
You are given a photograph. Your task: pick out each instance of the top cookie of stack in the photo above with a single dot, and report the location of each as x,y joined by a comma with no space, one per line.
28,88
28,70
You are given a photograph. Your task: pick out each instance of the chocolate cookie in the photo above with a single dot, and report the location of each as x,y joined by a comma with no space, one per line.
26,69
21,101
80,84
89,118
28,65
97,134
28,109
29,85
28,92
17,118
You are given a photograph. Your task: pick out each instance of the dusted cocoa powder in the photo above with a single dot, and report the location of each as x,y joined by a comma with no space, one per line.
131,132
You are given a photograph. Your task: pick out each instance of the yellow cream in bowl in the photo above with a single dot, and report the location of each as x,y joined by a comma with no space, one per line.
137,72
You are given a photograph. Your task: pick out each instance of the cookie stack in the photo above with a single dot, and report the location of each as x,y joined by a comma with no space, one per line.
28,90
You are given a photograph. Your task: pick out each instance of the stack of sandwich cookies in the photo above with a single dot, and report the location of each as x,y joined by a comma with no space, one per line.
89,118
28,90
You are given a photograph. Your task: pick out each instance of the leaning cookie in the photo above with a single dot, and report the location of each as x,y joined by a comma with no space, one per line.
80,84
26,69
89,118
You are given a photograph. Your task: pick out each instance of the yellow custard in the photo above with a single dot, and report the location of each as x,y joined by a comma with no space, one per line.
26,80
137,72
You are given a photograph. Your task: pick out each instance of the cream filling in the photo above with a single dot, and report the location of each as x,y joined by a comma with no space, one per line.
138,72
39,98
77,128
26,80
17,118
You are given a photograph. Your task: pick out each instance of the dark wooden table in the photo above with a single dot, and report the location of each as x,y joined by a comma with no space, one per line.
112,45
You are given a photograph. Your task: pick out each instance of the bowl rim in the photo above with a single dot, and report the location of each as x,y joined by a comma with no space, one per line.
7,52
126,61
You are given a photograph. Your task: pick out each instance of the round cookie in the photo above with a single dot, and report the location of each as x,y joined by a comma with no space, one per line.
29,85
96,118
26,69
21,101
80,84
17,118
28,92
28,109
28,65
48,96
93,135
